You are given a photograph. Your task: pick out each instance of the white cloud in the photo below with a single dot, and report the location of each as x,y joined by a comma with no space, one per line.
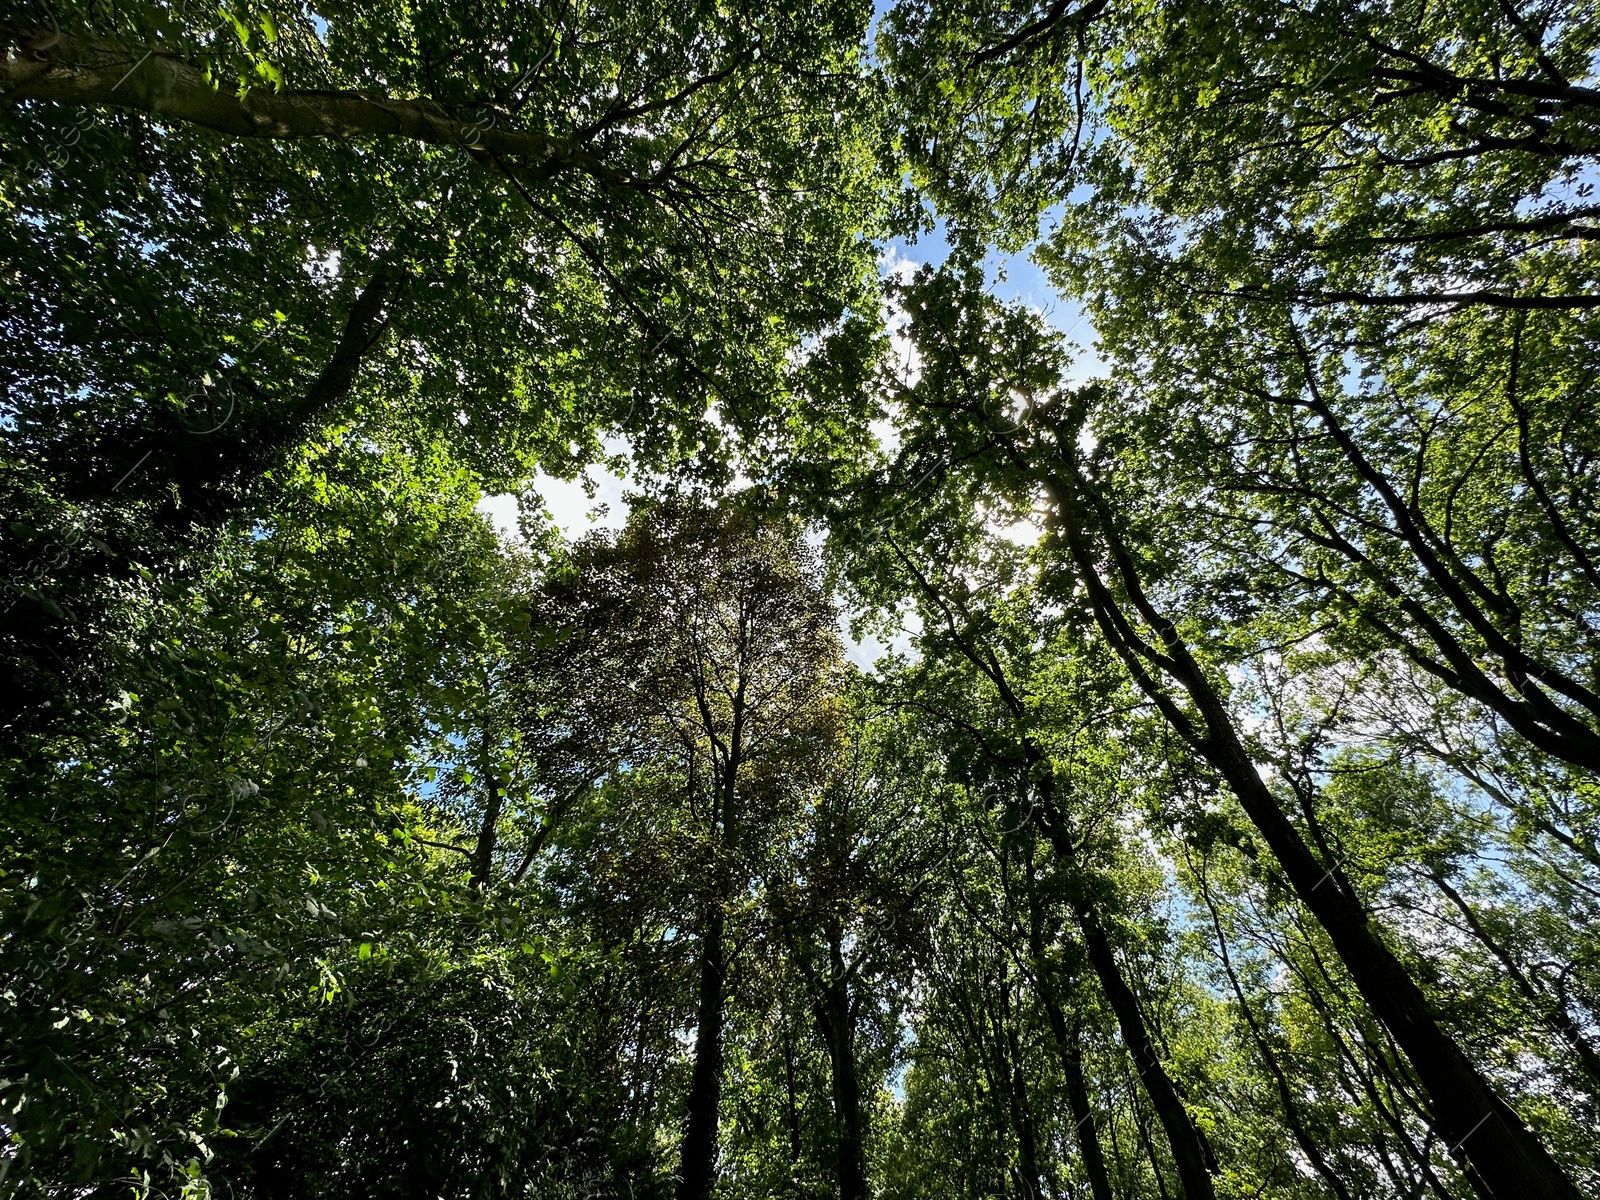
895,264
574,513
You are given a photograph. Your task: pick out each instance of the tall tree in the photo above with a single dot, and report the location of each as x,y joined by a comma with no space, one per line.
845,903
976,365
729,646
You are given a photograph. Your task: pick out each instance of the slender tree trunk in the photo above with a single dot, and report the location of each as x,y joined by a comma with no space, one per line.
1083,1122
699,1151
488,835
1032,1186
1302,1136
993,1088
836,1018
1502,1156
494,801
1143,1127
1554,1011
788,1079
1188,1154
1380,1080
1067,1044
1188,1157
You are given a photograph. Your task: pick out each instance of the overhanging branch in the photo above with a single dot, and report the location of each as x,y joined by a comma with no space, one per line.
63,69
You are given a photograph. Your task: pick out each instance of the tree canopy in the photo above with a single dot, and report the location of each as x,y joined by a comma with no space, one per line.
969,763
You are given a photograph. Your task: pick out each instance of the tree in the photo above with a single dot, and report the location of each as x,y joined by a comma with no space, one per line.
1221,818
845,901
974,362
522,228
210,855
729,646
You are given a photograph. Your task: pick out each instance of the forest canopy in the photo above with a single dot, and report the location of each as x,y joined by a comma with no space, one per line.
1143,745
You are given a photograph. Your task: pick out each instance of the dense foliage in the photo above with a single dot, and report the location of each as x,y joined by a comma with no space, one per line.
1221,816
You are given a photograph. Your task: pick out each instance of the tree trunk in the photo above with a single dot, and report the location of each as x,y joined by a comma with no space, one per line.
697,1173
1554,1012
1501,1155
788,1079
836,1018
488,835
1032,1187
1188,1154
1308,1144
1083,1123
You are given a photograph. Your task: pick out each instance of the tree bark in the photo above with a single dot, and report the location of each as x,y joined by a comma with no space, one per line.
488,836
1188,1154
1188,1157
1554,1011
836,1018
38,64
1028,1173
788,1079
1308,1144
697,1173
1083,1122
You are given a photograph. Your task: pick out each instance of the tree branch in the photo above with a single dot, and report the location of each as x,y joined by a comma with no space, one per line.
95,73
